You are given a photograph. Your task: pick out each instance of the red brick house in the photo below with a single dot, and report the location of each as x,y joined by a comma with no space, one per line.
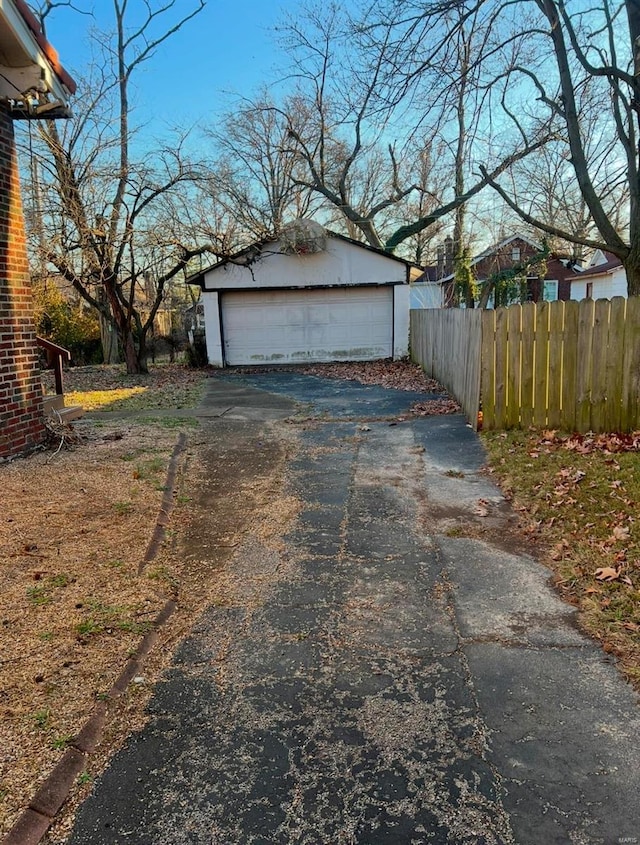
33,85
439,283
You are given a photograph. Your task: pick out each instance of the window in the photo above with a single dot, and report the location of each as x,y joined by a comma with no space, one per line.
515,253
589,293
550,291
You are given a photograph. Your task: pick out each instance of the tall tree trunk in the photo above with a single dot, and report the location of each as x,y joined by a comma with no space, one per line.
632,269
109,340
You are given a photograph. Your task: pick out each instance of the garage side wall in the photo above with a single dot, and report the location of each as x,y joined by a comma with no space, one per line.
21,416
211,302
401,295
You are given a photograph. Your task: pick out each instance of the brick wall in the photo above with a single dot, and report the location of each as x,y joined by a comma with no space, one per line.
21,425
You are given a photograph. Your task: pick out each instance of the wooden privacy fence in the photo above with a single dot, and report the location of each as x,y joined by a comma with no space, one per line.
447,343
568,365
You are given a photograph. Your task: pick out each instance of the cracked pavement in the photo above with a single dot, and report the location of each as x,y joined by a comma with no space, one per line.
382,675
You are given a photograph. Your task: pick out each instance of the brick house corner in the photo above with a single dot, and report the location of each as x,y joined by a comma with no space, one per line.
33,85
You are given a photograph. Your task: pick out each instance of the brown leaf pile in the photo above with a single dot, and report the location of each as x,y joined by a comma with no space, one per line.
398,375
433,407
585,444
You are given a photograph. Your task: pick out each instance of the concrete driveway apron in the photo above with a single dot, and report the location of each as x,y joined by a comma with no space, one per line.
381,676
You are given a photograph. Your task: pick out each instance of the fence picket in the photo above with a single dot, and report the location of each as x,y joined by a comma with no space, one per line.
514,342
585,347
569,365
554,373
612,364
541,378
488,370
501,365
598,365
527,361
630,398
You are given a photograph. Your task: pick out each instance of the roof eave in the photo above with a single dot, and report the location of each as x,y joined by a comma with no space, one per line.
32,65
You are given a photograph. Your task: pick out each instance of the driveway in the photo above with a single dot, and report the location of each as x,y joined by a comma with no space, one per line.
392,669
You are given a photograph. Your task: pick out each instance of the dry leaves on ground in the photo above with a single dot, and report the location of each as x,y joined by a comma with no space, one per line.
396,375
578,496
110,388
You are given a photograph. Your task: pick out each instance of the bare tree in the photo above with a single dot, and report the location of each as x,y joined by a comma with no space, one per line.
254,174
578,48
100,205
380,88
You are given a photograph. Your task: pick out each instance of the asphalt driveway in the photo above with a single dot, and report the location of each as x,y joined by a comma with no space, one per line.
395,669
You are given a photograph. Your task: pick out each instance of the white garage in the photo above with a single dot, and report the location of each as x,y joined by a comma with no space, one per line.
343,302
334,324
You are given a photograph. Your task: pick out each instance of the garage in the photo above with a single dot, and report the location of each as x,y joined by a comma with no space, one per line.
330,299
307,325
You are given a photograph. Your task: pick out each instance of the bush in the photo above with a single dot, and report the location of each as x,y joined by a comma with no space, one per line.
71,325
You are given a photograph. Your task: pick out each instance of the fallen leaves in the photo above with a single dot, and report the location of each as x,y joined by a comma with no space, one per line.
397,375
608,573
585,444
577,497
435,407
620,532
111,388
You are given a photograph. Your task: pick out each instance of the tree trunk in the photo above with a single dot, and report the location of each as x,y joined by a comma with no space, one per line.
109,340
632,269
136,362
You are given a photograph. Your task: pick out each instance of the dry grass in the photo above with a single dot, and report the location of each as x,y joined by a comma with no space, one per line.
73,530
579,503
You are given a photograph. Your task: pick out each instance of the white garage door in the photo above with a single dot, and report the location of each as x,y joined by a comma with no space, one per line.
345,324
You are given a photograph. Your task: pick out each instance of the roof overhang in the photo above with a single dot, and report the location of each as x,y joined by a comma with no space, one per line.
33,83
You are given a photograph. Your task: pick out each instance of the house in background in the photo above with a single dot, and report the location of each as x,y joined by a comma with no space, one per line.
604,278
309,296
33,85
562,279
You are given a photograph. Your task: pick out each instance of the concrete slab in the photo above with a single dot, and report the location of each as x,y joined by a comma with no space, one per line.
506,597
563,733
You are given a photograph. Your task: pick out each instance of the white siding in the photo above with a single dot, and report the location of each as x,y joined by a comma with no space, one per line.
308,325
342,263
212,329
604,287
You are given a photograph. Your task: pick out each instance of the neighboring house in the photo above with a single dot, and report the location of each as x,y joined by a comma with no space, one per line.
436,287
33,85
604,278
295,300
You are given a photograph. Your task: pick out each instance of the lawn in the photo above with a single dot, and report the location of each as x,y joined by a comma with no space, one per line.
74,527
110,388
578,499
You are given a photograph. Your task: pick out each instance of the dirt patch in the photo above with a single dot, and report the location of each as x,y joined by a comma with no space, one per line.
71,605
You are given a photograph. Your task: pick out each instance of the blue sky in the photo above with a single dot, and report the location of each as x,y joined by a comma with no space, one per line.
229,49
